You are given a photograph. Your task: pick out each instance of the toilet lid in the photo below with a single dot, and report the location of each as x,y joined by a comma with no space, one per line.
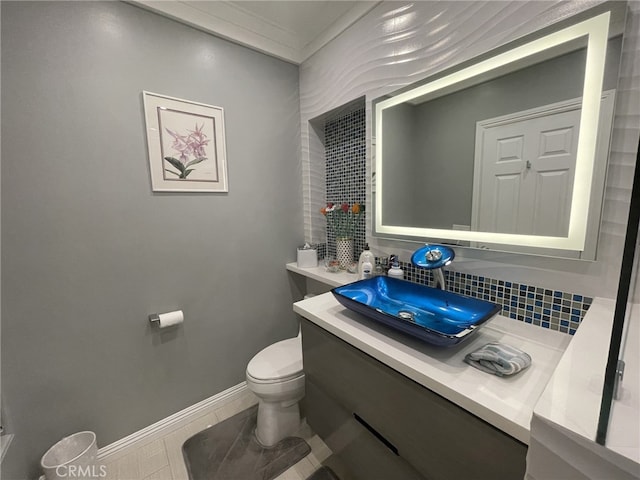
278,361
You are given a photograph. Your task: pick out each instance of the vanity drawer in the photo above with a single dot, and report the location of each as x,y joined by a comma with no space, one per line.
359,452
439,439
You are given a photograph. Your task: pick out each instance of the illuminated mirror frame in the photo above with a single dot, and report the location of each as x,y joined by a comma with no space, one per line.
596,31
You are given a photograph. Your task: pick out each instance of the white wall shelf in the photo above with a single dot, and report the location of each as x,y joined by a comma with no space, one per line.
321,275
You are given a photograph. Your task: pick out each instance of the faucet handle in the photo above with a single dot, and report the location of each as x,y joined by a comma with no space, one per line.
434,255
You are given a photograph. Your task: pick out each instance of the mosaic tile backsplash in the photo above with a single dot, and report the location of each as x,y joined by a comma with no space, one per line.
553,309
346,169
345,182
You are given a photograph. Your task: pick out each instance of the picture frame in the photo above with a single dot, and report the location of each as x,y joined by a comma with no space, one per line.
186,145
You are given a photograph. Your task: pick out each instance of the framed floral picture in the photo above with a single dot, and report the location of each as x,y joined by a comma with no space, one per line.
186,143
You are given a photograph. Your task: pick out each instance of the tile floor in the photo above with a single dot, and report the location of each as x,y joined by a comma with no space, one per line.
162,459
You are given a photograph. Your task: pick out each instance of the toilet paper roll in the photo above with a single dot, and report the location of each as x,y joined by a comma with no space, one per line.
170,318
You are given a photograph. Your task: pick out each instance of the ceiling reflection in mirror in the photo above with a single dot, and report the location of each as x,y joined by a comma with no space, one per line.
503,151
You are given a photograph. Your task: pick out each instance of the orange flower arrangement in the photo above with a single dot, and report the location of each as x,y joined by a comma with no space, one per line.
343,219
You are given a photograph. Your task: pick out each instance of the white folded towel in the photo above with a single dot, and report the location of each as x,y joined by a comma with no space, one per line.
498,359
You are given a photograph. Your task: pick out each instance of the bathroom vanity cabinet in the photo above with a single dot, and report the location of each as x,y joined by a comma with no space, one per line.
384,425
424,413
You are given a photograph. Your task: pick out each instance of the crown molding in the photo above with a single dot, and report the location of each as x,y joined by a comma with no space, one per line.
233,22
354,14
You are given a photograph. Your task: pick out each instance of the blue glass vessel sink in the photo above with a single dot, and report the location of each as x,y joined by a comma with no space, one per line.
436,316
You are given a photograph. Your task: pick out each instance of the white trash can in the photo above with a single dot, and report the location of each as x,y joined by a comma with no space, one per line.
72,458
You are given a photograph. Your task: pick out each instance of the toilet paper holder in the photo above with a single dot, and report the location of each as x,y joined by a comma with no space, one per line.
168,319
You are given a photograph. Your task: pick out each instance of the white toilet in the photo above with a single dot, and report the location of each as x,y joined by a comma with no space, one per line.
275,376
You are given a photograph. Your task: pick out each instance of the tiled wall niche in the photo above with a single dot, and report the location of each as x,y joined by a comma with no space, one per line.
344,140
345,160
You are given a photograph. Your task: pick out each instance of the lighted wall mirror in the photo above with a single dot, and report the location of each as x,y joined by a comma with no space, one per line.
507,151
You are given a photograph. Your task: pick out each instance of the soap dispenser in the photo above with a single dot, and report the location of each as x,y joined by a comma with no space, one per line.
366,263
395,271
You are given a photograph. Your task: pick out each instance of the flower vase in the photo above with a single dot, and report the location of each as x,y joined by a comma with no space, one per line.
344,251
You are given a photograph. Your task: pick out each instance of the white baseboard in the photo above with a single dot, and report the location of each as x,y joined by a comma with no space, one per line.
148,434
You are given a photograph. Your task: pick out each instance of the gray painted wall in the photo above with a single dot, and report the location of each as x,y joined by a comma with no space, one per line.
398,147
89,250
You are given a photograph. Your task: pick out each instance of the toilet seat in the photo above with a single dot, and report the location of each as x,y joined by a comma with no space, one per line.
278,362
259,381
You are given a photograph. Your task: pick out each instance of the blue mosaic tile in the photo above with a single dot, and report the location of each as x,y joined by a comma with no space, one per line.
526,303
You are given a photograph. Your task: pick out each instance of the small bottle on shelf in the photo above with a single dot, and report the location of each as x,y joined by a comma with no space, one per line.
366,263
395,271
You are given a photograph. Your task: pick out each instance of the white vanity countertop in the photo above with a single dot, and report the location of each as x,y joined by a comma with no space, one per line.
573,396
505,402
623,435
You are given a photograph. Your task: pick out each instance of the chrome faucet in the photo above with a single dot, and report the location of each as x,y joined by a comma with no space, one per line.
434,257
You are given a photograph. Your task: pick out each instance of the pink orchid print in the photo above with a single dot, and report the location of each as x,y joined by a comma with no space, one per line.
187,145
197,139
